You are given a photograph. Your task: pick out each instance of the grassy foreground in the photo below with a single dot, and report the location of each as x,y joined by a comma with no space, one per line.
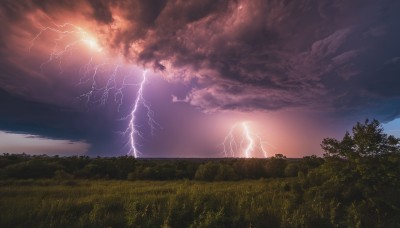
47,203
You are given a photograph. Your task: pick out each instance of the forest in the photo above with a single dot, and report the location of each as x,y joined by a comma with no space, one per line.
355,184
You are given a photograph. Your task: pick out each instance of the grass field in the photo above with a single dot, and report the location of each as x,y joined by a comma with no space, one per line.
47,203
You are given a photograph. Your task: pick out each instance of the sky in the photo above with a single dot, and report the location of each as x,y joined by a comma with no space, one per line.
199,78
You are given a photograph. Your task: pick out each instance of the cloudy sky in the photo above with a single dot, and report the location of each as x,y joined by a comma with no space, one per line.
221,78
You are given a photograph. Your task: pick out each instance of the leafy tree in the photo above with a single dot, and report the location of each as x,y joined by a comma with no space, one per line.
291,170
35,168
250,168
207,171
361,173
308,163
276,166
367,140
225,172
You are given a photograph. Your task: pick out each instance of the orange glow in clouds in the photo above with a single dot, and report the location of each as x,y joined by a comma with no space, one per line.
92,43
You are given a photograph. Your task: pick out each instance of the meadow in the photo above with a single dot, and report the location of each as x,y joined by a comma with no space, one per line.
261,203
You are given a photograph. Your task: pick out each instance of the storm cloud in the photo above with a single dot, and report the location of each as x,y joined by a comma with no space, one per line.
338,57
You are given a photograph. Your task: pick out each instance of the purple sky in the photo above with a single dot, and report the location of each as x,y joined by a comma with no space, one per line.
293,72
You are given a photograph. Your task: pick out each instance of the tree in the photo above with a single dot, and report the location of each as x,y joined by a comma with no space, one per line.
225,172
367,140
291,170
276,166
368,155
361,172
207,171
308,163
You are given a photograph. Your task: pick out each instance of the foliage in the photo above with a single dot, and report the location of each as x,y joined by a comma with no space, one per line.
361,174
25,167
368,140
212,171
119,168
276,166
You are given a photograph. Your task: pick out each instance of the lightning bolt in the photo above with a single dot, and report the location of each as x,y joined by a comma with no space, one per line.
132,116
65,31
241,141
250,140
69,36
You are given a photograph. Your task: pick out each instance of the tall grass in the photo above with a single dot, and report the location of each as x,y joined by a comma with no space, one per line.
84,203
144,204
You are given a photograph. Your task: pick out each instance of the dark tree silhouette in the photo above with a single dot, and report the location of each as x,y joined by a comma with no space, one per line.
367,140
362,173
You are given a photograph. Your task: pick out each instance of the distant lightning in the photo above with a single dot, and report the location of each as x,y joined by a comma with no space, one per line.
241,141
250,140
65,31
131,127
69,36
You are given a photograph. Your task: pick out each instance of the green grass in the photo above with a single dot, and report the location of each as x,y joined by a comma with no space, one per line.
49,203
285,202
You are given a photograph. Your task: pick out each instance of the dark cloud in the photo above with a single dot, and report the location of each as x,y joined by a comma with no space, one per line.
235,96
43,120
51,121
338,57
101,10
334,55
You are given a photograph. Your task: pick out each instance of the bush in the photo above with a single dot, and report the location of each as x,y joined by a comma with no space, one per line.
207,172
291,170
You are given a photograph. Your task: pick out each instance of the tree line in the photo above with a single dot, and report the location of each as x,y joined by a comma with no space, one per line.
23,166
368,153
